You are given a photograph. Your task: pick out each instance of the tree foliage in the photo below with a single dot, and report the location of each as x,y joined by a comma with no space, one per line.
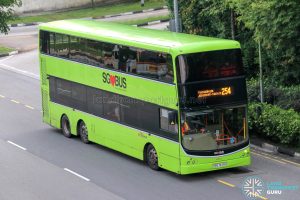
275,23
216,18
7,13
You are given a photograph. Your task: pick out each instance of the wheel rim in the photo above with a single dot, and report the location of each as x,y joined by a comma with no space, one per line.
84,132
152,155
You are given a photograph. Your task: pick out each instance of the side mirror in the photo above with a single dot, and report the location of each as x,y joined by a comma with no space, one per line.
172,117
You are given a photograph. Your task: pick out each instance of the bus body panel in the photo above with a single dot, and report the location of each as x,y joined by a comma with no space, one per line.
194,164
44,91
119,137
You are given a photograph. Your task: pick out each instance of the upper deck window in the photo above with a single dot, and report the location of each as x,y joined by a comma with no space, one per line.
131,60
210,65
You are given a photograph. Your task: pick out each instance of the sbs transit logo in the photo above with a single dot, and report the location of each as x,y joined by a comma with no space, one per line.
114,80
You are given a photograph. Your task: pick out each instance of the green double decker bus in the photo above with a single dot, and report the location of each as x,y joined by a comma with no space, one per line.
174,100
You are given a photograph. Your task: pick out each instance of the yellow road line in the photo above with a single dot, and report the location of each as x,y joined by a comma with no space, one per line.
32,108
291,162
268,155
226,183
261,197
268,158
1,96
14,101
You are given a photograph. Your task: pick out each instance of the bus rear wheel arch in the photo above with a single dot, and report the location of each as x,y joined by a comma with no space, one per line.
151,157
82,131
65,126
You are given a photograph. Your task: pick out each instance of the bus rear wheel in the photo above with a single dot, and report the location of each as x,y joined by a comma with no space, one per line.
83,132
152,158
65,126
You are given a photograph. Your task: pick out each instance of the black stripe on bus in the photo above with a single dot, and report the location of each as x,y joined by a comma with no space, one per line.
111,106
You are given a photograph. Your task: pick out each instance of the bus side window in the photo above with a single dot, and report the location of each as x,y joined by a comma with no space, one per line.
78,49
155,65
93,50
52,44
62,45
44,42
127,59
79,97
111,106
164,121
110,56
129,111
95,101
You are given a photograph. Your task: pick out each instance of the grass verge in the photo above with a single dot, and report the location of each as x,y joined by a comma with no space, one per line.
4,50
90,12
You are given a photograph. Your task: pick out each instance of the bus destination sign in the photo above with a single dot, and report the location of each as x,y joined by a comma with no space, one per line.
224,91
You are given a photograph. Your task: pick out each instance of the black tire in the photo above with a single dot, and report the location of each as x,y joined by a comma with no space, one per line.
65,126
83,132
152,158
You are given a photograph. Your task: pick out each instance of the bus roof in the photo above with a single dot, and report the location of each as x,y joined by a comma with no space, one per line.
177,43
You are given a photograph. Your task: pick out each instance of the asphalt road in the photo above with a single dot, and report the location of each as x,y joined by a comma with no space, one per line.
39,172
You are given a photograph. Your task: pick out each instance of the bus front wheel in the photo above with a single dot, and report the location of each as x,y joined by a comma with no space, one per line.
83,132
65,126
152,158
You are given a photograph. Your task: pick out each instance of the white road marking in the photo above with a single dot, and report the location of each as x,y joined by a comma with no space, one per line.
6,58
17,102
1,96
30,107
10,142
23,72
76,174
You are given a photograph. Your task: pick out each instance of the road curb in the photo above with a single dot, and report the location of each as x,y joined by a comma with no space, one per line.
26,24
9,54
130,13
152,23
100,17
274,149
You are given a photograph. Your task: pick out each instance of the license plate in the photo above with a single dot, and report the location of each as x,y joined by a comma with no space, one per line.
218,165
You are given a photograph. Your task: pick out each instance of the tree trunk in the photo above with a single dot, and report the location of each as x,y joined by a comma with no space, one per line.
232,22
93,4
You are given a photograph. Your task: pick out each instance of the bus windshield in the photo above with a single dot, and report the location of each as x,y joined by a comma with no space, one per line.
210,65
214,129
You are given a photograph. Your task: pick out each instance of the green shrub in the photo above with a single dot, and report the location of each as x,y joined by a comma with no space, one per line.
284,97
274,123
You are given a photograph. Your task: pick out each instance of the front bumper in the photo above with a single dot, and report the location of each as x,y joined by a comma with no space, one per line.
193,164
